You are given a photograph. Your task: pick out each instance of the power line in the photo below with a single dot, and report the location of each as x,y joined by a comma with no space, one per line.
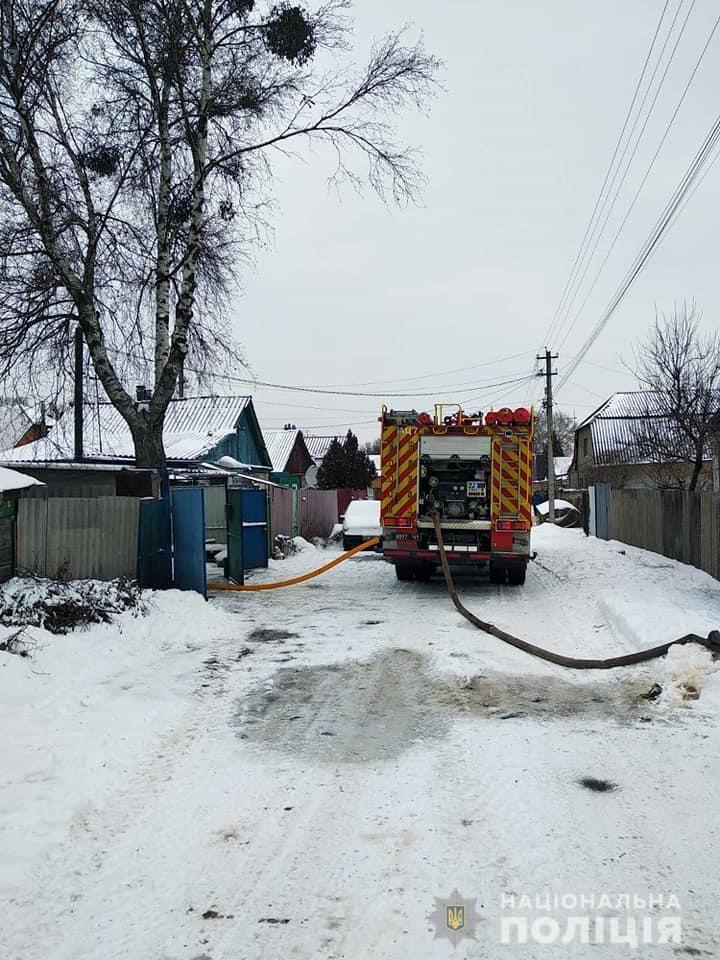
608,173
325,390
338,423
424,376
643,181
482,399
657,234
623,179
429,391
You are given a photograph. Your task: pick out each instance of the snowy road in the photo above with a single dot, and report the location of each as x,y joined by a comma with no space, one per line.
302,773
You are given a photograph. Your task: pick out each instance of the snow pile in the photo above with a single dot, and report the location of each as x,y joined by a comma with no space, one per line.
688,668
59,607
301,545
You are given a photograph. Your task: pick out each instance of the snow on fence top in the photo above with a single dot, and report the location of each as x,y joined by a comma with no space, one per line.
12,480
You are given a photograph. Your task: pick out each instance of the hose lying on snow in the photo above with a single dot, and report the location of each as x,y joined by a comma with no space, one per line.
305,576
712,642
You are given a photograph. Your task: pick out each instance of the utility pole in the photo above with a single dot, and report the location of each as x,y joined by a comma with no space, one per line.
549,373
78,394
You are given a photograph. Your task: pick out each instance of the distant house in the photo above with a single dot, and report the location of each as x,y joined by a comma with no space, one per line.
288,451
318,448
198,430
20,423
12,484
622,443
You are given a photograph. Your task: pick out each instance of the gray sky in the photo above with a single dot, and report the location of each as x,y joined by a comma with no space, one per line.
515,150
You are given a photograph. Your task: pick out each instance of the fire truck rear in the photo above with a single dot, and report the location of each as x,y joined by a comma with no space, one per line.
474,472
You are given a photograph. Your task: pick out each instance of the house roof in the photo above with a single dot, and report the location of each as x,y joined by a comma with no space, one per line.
193,426
280,444
319,446
629,425
14,421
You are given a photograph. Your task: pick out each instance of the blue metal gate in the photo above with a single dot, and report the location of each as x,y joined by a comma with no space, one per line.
188,529
154,569
247,531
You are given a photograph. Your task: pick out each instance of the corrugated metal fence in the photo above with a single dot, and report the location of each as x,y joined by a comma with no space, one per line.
281,510
317,512
215,520
676,523
77,538
306,512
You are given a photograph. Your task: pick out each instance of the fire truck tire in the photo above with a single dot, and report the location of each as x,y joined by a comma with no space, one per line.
497,573
516,575
403,571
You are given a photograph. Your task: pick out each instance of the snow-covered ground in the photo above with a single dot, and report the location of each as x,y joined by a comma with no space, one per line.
302,773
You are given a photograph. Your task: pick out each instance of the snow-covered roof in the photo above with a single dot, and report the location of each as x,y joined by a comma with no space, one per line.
12,480
193,426
279,444
630,425
376,459
319,446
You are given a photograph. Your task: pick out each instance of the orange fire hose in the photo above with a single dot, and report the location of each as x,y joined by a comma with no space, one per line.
293,580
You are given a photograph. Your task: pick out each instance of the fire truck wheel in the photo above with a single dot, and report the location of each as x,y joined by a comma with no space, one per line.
516,576
497,573
425,573
403,571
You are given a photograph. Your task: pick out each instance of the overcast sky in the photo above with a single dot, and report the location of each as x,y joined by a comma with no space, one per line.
515,151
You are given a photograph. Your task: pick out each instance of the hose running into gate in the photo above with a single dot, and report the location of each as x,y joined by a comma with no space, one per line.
254,587
712,642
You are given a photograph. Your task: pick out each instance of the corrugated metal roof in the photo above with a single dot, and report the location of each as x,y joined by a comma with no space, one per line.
319,446
629,426
193,426
279,444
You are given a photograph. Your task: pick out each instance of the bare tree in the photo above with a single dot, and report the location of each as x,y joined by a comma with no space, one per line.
563,433
679,366
136,148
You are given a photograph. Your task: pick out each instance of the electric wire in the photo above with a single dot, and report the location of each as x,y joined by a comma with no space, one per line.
642,182
608,173
428,392
666,219
623,179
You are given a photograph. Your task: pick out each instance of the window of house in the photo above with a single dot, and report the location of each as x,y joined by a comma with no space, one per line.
585,447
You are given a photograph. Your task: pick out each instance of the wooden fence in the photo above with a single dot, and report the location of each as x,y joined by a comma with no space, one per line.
681,525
